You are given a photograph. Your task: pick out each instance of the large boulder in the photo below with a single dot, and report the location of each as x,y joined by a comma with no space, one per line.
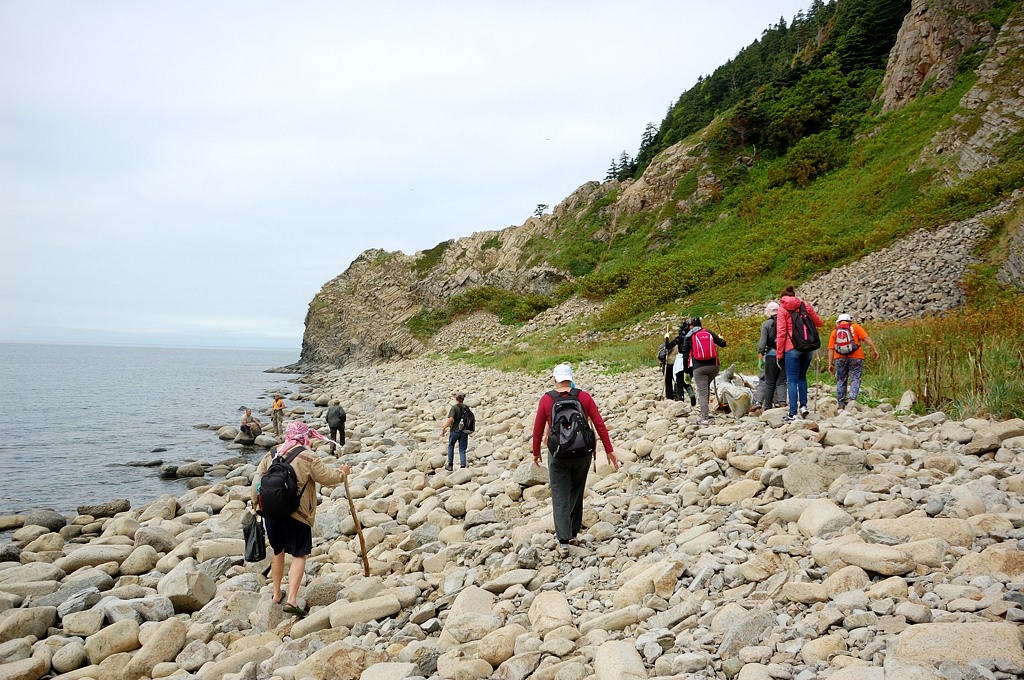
188,588
44,517
108,509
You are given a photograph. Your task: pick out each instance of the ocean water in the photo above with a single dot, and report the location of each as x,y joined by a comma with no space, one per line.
72,416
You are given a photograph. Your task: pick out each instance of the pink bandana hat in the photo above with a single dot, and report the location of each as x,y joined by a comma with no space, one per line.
297,433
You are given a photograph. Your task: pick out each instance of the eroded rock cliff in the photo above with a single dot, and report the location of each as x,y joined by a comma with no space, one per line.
933,38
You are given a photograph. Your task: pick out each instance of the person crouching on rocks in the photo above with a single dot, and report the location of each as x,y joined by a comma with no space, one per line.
564,413
293,534
250,425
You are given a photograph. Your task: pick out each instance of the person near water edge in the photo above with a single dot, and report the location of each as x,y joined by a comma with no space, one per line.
567,477
293,534
250,425
277,414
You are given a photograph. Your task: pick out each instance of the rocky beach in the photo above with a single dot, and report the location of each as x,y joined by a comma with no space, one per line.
863,544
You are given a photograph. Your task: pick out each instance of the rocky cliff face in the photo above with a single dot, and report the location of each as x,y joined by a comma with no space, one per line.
993,110
360,316
933,38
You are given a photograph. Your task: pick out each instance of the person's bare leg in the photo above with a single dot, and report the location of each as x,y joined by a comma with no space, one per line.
276,574
295,573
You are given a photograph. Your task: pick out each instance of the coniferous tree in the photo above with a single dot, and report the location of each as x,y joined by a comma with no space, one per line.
613,171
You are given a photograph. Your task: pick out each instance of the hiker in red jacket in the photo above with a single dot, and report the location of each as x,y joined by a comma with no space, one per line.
796,332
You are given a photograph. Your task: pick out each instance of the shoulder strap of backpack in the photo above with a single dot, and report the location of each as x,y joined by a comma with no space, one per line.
294,451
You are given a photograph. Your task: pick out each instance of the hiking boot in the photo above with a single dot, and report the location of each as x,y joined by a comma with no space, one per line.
563,549
804,411
448,467
703,422
790,419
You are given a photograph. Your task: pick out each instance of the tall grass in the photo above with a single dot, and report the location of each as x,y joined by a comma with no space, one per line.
970,363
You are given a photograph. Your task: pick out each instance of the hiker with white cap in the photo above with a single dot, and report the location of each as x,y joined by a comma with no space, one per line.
564,413
846,357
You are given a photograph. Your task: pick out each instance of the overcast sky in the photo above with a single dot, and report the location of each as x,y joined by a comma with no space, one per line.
191,173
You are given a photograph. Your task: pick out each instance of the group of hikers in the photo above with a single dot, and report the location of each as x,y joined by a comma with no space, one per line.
565,421
788,340
251,426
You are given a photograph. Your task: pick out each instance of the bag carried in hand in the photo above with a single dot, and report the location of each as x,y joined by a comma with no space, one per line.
279,492
703,347
570,435
468,420
804,333
846,341
255,540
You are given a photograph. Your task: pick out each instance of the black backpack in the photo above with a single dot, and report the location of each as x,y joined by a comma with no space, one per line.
468,423
804,333
279,493
570,435
772,335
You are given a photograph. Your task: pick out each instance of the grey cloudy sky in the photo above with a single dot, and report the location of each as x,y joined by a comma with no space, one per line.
191,173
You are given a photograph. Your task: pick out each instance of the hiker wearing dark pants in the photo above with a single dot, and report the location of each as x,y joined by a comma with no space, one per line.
681,366
568,480
567,474
774,373
454,421
336,423
704,362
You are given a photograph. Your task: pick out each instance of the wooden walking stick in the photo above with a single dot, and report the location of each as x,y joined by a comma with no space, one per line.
359,528
355,519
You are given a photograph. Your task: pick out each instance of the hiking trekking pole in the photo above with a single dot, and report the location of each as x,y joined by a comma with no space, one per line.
355,520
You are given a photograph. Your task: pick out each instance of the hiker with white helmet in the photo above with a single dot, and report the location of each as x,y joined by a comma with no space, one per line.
846,357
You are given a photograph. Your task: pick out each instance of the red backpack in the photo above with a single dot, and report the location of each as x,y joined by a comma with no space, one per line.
703,347
846,342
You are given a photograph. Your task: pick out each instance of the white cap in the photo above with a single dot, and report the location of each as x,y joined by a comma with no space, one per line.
844,317
562,373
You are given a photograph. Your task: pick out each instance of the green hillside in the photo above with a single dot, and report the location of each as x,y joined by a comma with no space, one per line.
809,176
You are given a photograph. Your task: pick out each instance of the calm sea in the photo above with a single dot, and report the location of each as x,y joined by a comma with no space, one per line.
72,416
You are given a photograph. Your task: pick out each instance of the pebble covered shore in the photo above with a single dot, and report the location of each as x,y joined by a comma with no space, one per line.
853,545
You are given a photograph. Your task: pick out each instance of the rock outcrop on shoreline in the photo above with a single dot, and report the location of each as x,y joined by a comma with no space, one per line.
853,545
